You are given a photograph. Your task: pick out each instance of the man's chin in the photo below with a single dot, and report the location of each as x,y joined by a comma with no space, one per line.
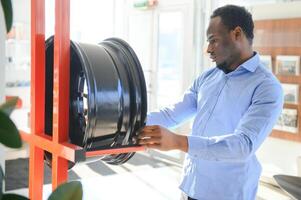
223,67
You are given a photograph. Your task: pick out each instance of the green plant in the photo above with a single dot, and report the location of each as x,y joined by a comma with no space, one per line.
9,135
8,13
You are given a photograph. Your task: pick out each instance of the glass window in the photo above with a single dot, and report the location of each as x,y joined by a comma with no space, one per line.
170,56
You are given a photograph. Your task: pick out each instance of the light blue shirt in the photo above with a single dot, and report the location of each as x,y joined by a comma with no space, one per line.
234,113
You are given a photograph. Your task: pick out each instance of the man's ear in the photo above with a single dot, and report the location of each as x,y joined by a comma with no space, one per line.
237,33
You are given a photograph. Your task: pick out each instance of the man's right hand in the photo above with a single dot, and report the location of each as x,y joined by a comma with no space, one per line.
160,138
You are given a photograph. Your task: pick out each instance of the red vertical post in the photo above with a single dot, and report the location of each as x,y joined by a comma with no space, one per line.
58,145
61,88
36,163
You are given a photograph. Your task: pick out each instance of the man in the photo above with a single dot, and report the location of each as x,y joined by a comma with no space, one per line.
235,106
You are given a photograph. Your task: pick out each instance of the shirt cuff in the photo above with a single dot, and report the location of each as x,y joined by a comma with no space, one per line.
197,146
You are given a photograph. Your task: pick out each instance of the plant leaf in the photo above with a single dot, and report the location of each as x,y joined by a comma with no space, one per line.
9,134
8,13
68,191
9,105
13,197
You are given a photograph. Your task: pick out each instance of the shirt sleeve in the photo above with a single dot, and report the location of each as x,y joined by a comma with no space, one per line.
253,128
179,112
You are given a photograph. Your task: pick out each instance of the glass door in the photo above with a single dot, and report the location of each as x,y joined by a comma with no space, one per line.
162,37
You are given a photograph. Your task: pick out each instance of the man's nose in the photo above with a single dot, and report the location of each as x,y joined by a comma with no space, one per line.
209,48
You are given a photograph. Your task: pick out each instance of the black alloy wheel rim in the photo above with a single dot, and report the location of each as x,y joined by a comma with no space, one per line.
108,102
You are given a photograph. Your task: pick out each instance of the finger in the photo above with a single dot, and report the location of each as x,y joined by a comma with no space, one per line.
152,127
149,134
150,141
145,136
149,130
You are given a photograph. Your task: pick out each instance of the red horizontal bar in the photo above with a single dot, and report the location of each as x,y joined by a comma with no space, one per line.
69,151
114,151
65,150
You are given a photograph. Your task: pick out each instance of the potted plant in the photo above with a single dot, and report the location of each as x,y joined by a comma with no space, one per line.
9,134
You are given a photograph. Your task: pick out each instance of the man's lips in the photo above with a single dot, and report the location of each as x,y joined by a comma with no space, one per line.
212,57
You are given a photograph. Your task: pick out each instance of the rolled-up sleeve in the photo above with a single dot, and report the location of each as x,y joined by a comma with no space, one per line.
254,126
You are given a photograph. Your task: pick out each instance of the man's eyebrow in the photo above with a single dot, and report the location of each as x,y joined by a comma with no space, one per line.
210,37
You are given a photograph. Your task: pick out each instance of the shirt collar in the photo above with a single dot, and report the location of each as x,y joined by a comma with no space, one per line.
252,63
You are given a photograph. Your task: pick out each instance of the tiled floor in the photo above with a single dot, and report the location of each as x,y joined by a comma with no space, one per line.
141,178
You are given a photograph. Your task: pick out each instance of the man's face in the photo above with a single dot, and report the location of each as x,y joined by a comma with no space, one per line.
221,45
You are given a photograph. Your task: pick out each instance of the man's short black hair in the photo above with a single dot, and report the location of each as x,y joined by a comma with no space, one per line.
233,16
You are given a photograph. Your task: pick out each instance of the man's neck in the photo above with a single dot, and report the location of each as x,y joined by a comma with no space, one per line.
246,55
227,70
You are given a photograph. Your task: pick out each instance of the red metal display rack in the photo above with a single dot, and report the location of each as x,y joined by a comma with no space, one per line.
57,145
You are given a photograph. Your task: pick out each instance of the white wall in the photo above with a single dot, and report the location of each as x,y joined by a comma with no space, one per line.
276,10
278,155
2,54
